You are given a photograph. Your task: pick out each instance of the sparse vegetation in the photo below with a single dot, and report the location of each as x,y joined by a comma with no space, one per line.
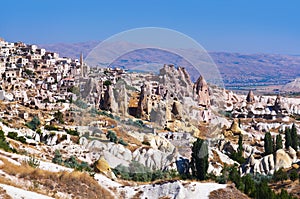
33,162
78,184
4,144
14,136
113,138
71,162
72,132
51,128
34,123
138,172
81,104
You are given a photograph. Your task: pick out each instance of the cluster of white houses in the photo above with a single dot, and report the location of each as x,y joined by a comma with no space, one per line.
35,77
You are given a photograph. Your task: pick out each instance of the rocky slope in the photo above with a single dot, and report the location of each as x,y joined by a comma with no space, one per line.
293,86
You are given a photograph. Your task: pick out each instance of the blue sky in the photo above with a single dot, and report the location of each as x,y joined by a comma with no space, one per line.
248,26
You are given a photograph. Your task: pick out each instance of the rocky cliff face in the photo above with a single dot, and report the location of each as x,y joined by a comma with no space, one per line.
170,98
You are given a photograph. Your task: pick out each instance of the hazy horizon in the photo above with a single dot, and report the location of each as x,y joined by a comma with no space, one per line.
231,26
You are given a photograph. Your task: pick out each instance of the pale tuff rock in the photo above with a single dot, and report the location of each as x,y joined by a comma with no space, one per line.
163,154
268,164
121,98
292,153
177,109
143,108
108,102
283,160
201,91
91,91
233,130
250,97
160,143
158,114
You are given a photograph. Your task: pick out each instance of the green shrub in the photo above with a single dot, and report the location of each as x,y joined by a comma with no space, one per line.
71,162
34,123
294,175
33,162
280,175
146,143
21,139
51,128
121,141
138,172
81,104
59,117
4,144
57,159
39,131
72,132
12,135
111,136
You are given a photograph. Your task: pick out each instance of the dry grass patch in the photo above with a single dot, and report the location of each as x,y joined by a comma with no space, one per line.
3,194
77,184
229,192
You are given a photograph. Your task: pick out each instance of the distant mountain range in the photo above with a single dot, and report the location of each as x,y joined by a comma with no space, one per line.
237,70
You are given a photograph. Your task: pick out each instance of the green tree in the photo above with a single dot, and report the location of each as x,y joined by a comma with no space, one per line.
294,175
294,137
199,159
278,142
235,177
263,191
240,146
288,138
268,143
249,185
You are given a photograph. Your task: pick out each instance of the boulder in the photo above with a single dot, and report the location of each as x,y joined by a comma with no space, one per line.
83,141
160,143
155,159
283,160
102,166
96,145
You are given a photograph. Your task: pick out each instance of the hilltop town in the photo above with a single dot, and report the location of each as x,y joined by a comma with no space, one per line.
125,134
